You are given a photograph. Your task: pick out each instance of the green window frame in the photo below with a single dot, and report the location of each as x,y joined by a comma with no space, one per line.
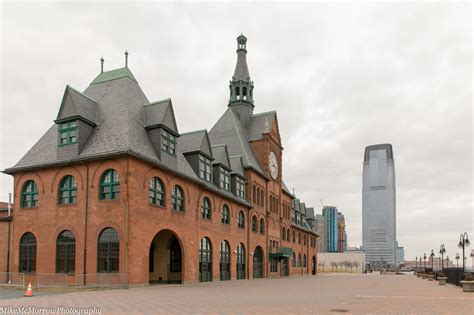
65,252
225,261
177,199
241,261
108,251
224,178
156,193
110,185
67,190
240,187
205,260
168,142
204,168
225,216
254,224
29,195
206,208
27,253
262,226
299,260
68,133
241,220
273,265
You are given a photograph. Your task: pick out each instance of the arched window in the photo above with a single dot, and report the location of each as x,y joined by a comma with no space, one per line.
283,233
156,194
241,220
65,252
225,261
205,260
27,253
262,226
271,203
177,199
108,248
288,235
206,208
294,236
109,185
293,261
299,238
261,198
254,193
304,260
258,196
304,239
29,195
254,224
299,260
244,93
225,215
241,261
237,92
67,190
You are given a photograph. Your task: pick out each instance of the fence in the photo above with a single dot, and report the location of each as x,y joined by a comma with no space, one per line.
14,279
455,275
102,280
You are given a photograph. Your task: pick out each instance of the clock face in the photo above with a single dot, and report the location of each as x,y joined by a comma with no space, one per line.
273,163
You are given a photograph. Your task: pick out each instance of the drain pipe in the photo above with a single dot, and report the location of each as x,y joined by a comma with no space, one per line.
85,223
126,224
8,241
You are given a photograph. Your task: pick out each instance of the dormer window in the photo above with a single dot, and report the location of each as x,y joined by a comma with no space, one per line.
68,133
168,142
224,178
240,187
204,168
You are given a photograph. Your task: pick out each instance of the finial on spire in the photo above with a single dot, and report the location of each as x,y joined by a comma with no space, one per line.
126,59
101,64
241,42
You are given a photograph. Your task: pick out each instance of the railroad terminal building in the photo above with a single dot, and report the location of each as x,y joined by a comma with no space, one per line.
114,188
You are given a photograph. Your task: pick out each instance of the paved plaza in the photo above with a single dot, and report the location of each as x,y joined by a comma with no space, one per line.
321,294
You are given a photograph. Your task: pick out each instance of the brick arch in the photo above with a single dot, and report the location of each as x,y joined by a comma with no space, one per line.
105,165
61,173
224,202
177,181
156,172
104,225
32,175
205,193
54,236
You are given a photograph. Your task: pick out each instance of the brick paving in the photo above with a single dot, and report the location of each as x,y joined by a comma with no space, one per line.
321,294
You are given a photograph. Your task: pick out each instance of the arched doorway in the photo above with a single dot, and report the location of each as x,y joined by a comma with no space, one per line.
258,263
313,265
166,259
205,260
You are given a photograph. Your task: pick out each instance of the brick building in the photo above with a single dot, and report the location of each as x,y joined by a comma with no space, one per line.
114,188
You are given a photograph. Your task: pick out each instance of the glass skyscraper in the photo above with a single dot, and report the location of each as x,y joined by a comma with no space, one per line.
378,205
330,215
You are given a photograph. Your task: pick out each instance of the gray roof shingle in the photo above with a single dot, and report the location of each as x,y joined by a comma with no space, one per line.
221,155
76,104
160,113
195,141
260,124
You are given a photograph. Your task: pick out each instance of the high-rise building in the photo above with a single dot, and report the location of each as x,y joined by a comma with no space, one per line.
330,217
341,233
378,205
322,245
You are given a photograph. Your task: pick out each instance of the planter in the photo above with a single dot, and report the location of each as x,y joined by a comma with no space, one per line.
442,280
423,276
430,277
467,286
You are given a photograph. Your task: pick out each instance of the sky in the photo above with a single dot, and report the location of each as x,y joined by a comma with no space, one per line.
341,76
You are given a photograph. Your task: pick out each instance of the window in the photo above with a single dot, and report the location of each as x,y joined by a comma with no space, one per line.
294,237
68,133
240,187
108,248
65,252
67,190
299,238
241,220
288,235
262,226
168,142
261,198
225,215
254,193
240,261
254,224
293,261
304,260
29,195
204,168
225,261
258,196
299,260
27,253
205,260
175,256
224,178
177,199
110,185
273,265
206,208
283,234
156,194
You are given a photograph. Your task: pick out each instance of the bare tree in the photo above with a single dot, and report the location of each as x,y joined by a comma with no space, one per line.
333,265
356,264
341,264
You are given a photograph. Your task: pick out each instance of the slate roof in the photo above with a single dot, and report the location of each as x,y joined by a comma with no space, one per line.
114,75
221,155
160,113
241,71
259,124
195,141
237,165
76,104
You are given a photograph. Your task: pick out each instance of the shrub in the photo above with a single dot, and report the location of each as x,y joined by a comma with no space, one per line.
441,275
468,278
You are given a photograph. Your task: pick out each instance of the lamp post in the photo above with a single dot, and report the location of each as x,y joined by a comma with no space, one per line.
432,262
442,250
424,262
447,261
457,260
463,242
416,263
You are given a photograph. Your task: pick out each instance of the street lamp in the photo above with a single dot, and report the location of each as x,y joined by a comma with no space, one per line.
442,250
463,242
424,261
447,261
457,260
432,257
416,263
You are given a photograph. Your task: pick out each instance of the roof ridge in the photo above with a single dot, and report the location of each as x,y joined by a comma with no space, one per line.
114,74
81,93
218,145
191,132
158,102
265,113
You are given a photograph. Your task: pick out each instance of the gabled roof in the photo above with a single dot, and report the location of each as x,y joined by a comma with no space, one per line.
237,165
259,124
303,208
221,155
285,188
229,130
75,104
160,113
113,75
195,141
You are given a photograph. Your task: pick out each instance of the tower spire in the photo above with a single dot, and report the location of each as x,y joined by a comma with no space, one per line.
126,58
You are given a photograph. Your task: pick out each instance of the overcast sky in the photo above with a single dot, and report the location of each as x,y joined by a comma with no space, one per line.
341,76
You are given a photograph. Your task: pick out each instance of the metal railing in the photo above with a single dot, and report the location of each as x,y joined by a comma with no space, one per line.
102,280
14,279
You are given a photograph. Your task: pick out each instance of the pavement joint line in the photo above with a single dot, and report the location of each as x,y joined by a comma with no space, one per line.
415,297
